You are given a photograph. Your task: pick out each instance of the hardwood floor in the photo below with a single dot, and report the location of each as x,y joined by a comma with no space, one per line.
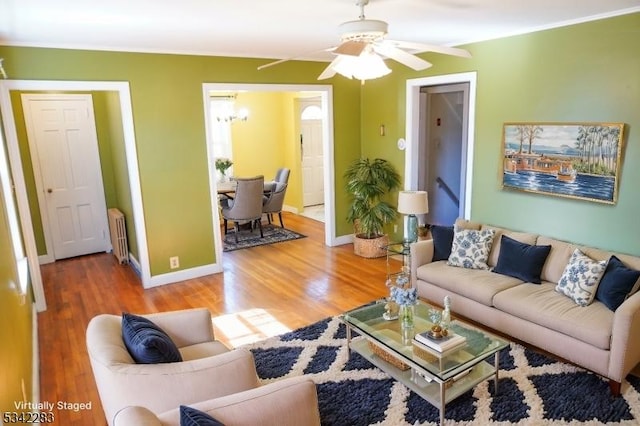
263,291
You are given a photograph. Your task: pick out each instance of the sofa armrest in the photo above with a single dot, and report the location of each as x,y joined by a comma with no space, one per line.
185,327
421,254
286,402
161,387
625,345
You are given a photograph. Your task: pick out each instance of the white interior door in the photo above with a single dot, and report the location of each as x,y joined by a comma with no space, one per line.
312,155
64,150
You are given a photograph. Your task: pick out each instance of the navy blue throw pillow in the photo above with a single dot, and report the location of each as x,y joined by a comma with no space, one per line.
191,417
442,241
616,283
520,260
146,342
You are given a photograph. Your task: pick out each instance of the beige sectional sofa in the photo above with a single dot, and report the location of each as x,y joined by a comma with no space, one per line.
594,337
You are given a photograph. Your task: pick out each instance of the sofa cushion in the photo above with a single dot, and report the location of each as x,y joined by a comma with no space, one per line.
523,237
520,260
146,342
470,248
580,278
202,350
542,305
617,283
478,285
442,241
191,417
557,260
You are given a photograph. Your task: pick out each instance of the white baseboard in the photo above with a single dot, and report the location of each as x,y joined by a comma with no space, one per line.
343,239
46,258
185,274
135,264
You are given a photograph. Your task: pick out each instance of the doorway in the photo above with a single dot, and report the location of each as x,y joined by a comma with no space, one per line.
325,95
418,131
63,142
18,176
312,158
443,140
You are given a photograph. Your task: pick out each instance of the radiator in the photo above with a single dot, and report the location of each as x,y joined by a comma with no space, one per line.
118,235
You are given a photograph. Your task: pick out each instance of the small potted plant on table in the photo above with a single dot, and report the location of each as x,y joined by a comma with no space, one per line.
222,165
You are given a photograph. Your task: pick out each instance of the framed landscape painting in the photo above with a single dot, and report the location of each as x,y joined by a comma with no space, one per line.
575,160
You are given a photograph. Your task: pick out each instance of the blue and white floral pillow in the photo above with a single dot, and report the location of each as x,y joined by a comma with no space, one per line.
581,277
470,248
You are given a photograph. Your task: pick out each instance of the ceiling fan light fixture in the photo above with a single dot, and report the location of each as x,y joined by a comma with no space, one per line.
368,66
366,30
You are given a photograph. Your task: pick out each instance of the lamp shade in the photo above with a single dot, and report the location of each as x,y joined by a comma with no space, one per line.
413,202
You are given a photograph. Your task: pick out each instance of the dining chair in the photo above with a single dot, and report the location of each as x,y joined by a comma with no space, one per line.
282,175
246,206
274,201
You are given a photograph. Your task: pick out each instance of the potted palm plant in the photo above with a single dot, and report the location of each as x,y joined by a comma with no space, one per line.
367,183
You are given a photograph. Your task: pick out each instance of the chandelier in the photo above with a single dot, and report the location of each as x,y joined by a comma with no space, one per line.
225,111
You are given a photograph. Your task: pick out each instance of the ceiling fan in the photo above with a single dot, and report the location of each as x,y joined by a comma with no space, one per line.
363,48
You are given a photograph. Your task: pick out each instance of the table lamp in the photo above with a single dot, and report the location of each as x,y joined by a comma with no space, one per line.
412,203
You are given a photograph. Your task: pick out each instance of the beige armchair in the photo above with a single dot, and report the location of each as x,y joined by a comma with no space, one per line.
287,402
209,370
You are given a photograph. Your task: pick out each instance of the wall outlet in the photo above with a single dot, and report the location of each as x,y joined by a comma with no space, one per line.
174,262
395,228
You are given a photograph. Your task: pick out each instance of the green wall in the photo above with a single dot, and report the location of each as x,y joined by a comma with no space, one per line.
166,92
16,325
583,73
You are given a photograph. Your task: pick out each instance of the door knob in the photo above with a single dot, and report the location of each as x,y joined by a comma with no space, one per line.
49,190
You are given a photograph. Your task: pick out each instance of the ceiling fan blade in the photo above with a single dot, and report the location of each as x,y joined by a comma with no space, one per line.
329,71
401,56
351,48
292,58
423,47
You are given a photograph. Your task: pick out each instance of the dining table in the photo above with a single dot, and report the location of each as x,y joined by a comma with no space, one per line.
228,188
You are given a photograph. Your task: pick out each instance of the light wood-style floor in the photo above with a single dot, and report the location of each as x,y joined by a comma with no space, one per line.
263,291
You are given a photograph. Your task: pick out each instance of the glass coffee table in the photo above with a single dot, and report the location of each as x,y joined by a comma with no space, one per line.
437,377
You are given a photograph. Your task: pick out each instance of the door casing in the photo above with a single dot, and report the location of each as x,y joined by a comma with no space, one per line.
414,123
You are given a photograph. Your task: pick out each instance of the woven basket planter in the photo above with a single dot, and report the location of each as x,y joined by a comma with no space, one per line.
370,247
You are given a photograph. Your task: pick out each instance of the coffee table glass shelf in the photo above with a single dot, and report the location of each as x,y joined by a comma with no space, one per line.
437,377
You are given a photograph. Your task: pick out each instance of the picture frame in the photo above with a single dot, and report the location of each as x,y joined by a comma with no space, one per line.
574,160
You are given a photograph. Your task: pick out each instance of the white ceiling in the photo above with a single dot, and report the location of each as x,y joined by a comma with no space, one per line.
277,28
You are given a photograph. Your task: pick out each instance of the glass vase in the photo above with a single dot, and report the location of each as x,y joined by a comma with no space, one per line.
406,316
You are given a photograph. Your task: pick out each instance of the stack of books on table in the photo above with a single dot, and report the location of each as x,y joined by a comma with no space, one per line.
442,344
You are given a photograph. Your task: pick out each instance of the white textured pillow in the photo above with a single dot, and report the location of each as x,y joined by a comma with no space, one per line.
470,248
581,277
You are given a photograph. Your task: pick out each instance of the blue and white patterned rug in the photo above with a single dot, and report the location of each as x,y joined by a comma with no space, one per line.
248,238
533,389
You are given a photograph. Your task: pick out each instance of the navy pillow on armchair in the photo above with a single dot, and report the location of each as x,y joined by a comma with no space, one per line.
616,283
146,342
189,416
520,260
442,241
